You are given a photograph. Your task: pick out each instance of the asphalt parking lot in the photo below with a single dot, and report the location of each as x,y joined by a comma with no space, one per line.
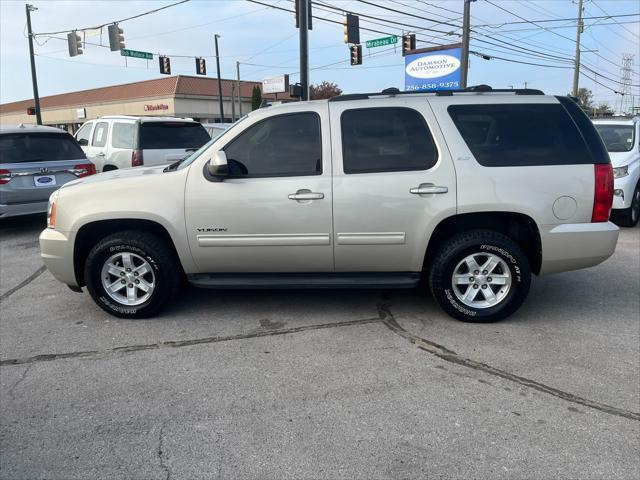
318,384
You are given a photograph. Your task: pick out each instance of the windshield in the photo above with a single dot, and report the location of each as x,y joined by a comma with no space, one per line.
191,158
617,138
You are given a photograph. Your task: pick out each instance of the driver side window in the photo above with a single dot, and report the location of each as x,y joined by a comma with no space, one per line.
281,146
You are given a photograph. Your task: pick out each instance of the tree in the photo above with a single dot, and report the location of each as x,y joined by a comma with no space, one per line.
324,90
585,99
604,110
256,98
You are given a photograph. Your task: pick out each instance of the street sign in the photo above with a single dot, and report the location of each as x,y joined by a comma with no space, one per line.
136,54
381,42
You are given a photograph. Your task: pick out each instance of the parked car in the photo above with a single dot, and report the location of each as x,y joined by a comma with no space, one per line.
115,142
475,191
216,129
34,162
621,136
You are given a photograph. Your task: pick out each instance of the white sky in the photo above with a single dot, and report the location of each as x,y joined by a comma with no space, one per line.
265,41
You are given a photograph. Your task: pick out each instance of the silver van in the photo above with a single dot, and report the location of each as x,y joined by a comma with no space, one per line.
34,162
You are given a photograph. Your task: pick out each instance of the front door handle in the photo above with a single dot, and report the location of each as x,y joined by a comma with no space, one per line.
101,154
428,189
305,195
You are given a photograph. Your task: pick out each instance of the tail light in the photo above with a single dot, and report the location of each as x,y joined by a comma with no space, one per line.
84,170
603,193
5,176
136,158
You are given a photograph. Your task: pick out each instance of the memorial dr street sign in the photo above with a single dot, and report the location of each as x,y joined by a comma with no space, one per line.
136,54
381,42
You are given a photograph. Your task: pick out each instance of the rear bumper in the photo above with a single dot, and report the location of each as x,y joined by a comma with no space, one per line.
576,245
15,209
56,250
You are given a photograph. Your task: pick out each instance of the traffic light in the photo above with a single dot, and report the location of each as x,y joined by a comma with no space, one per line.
165,64
116,37
351,28
408,43
75,44
356,54
201,66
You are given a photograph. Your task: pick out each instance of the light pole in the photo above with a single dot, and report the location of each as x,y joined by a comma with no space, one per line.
34,78
216,36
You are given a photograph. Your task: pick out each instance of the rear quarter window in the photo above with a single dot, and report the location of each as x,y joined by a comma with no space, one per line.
38,147
512,135
172,135
123,135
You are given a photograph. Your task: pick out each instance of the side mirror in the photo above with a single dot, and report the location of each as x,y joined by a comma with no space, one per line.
83,142
217,166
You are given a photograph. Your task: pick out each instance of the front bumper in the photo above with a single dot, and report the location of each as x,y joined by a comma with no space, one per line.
56,251
576,245
623,192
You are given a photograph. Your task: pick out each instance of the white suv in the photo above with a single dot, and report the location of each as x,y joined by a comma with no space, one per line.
474,190
621,136
122,141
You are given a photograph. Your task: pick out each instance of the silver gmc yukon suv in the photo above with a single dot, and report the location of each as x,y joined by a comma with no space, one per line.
473,190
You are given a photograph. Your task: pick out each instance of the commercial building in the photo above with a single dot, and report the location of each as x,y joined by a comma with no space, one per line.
179,96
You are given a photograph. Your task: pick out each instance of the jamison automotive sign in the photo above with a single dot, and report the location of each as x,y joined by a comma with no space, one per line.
433,69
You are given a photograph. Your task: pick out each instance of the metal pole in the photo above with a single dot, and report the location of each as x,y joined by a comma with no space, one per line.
233,102
303,17
239,93
34,78
216,36
466,30
576,66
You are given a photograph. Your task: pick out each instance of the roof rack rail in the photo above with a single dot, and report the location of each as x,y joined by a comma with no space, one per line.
392,91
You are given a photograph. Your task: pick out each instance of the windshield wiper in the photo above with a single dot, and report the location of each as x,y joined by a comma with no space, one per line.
174,165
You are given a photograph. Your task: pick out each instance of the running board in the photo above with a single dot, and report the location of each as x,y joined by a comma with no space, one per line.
304,280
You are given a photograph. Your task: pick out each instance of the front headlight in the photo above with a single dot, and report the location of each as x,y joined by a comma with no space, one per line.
51,210
620,172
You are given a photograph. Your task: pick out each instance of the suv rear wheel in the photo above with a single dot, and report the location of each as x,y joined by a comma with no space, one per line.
480,276
132,274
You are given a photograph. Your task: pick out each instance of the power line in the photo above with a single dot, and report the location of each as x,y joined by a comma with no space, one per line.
115,21
534,22
612,16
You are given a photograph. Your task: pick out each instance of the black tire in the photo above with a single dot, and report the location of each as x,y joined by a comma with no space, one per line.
166,271
629,216
109,168
461,246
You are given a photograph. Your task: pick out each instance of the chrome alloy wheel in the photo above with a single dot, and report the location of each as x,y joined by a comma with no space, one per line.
481,280
128,278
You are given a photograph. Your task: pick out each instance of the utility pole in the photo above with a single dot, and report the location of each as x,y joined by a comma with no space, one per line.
34,78
466,33
233,102
576,66
303,21
216,36
239,95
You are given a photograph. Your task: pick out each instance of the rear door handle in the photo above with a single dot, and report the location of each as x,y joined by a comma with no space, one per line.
428,189
101,154
302,195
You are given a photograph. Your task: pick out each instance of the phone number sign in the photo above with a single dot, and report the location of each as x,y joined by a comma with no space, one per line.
433,70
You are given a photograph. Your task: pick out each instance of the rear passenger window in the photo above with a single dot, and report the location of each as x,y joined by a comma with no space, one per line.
520,135
100,134
386,140
123,135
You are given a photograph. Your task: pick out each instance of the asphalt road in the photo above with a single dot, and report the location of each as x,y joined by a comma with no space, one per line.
319,384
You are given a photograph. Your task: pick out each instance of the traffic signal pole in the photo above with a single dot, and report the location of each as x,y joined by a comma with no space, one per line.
576,66
34,78
216,36
466,31
303,21
239,95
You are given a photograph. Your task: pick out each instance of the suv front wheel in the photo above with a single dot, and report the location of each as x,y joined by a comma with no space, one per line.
480,276
132,274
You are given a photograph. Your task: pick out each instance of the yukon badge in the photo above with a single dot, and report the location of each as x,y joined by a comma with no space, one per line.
212,229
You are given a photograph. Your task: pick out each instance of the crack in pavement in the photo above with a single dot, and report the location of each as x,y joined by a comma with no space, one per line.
47,357
24,283
163,465
20,380
444,353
